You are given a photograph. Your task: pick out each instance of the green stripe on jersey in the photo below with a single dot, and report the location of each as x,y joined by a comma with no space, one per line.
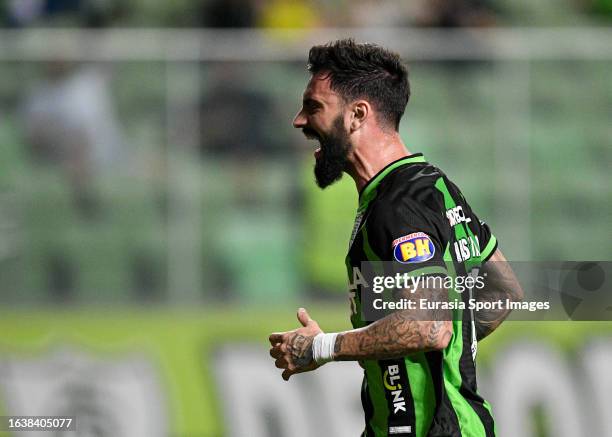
423,392
469,421
487,405
378,422
484,254
367,249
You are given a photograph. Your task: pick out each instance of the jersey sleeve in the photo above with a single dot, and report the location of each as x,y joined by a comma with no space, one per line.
486,240
407,235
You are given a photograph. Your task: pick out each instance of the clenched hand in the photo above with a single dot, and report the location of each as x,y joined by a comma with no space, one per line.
293,349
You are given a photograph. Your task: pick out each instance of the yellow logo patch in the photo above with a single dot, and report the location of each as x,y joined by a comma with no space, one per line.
413,248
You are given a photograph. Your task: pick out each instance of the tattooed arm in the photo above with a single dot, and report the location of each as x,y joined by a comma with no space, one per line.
396,335
501,284
400,333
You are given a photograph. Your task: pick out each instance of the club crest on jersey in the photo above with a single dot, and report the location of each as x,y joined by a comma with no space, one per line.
413,248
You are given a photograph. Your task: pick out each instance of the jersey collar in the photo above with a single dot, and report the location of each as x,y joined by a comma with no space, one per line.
368,192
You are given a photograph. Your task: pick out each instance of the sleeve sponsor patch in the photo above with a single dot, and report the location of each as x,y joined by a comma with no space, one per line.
413,248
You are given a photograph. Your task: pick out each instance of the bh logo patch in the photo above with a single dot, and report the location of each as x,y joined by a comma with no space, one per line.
413,248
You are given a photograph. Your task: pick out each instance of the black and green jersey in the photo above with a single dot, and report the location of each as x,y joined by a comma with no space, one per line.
411,213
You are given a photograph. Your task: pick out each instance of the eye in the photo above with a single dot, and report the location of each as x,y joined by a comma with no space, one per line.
311,106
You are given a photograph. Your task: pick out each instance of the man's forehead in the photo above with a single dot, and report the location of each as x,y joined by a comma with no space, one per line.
319,88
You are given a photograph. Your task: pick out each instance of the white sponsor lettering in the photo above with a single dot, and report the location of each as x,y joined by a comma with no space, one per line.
467,248
455,216
407,429
399,404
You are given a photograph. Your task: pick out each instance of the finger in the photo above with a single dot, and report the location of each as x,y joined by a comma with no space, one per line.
281,363
303,317
275,352
276,337
287,374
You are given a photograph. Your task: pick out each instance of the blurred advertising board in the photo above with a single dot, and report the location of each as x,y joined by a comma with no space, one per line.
207,373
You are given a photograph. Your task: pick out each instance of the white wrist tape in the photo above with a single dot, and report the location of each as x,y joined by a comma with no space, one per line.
323,347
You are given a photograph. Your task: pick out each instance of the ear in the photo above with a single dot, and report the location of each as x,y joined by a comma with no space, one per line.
360,112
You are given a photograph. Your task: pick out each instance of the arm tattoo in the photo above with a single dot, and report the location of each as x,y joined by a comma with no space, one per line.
501,284
399,333
487,320
300,349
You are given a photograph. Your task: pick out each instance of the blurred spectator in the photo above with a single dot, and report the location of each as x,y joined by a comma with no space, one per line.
373,13
237,119
602,8
228,13
23,12
88,13
69,120
288,14
455,13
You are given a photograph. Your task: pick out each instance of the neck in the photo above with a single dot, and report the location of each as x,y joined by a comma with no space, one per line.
368,160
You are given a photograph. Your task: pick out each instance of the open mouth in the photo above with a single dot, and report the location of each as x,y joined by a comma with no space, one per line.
312,136
319,150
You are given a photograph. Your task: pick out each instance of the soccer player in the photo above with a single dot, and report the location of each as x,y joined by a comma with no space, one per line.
419,368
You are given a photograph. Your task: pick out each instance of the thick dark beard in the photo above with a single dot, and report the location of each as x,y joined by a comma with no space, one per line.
333,160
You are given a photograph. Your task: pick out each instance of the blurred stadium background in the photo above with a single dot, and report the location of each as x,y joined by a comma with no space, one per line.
158,215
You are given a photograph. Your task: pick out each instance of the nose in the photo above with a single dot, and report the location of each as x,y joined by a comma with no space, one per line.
299,121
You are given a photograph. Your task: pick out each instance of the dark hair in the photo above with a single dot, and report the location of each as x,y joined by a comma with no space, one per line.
364,71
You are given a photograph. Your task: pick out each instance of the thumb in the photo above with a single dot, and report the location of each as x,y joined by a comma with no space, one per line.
303,317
